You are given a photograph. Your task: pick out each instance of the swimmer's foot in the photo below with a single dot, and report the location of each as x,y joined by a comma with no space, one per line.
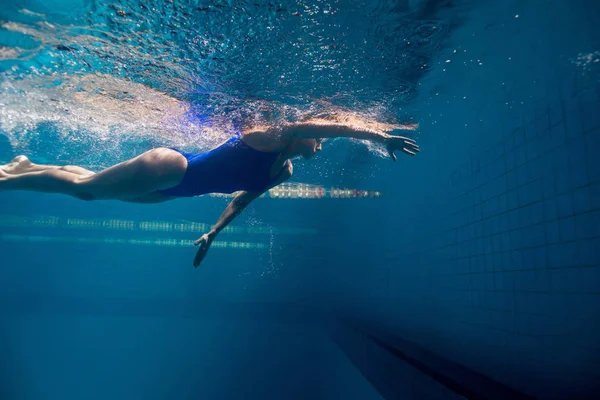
18,165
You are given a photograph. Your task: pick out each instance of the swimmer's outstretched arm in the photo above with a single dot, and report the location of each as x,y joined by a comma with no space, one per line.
353,127
235,207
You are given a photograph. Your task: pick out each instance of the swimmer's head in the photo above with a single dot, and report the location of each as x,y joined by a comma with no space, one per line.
307,148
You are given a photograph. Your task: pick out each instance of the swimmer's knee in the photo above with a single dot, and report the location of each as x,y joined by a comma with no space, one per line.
74,169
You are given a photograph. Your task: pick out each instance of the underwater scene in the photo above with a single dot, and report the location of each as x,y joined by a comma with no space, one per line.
319,199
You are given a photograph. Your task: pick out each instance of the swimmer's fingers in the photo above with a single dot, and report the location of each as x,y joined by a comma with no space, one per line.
201,253
407,145
411,146
204,242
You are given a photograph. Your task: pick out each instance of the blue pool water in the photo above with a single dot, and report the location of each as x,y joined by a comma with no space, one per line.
469,271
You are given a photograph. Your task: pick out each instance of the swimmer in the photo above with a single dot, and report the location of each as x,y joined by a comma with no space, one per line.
251,163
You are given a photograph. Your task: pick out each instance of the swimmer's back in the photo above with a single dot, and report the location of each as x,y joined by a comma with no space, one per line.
228,168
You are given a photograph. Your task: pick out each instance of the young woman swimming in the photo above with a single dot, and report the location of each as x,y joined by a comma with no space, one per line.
250,163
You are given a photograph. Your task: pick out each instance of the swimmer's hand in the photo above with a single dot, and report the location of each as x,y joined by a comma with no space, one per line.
407,145
204,242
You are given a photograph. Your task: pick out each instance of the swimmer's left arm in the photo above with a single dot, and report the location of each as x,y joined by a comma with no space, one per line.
356,128
235,207
344,126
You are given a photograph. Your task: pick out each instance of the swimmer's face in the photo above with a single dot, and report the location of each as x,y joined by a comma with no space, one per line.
309,147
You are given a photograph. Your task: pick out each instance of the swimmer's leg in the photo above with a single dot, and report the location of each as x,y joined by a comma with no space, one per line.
77,170
154,170
51,180
22,164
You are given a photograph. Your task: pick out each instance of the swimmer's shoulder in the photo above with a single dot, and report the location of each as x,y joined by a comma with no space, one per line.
264,138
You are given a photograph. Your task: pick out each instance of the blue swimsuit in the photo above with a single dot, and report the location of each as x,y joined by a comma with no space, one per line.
228,168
